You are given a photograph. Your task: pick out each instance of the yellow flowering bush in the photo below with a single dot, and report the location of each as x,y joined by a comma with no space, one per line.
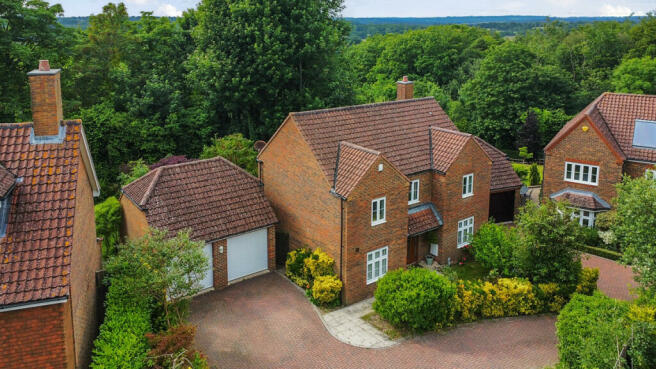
326,289
469,299
587,281
550,298
294,266
318,264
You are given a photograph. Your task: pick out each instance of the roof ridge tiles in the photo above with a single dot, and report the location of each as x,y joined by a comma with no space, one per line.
358,147
361,106
151,187
464,134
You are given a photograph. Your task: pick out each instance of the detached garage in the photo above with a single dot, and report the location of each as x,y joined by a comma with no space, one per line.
223,205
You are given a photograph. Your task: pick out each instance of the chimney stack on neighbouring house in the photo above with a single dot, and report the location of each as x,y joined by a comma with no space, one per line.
45,89
404,89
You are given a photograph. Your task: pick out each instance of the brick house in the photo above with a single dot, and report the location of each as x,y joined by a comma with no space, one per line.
369,183
49,254
223,205
613,136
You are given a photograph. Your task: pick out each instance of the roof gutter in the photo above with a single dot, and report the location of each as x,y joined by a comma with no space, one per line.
29,305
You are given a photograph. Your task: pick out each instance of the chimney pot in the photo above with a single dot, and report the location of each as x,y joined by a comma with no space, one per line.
404,89
44,65
405,78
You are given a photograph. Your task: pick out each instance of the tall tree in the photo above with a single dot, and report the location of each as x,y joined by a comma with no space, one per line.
529,134
636,75
257,61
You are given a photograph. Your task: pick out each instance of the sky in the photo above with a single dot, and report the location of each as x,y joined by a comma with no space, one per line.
406,8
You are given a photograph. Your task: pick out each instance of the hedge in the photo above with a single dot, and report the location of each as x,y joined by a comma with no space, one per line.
121,343
604,253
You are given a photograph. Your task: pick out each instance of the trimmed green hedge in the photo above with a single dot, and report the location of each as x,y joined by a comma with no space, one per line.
604,253
121,343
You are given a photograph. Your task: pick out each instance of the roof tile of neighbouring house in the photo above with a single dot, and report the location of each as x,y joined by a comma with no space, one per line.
446,145
503,174
353,161
212,197
423,218
397,129
35,253
614,115
7,181
581,199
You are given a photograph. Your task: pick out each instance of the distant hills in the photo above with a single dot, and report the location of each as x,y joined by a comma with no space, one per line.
507,25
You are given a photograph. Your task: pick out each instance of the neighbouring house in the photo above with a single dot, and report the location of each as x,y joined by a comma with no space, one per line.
613,136
223,205
380,186
49,255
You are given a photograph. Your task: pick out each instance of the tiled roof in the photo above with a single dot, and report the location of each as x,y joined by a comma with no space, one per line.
7,181
446,145
614,115
503,174
213,197
423,218
397,129
35,253
353,161
581,199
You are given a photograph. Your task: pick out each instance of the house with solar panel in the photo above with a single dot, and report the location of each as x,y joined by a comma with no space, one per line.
381,186
613,136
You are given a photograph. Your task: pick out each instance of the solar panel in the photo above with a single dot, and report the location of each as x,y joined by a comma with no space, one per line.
644,134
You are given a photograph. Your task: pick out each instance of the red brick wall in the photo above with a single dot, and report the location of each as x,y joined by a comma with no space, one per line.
46,104
425,186
85,262
447,196
220,264
361,237
635,169
299,192
134,224
271,247
586,147
37,338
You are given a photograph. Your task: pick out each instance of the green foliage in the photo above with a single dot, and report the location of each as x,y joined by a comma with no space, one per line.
318,264
173,348
326,290
549,123
524,154
295,266
121,343
165,269
108,224
549,244
591,332
313,271
604,253
234,147
637,75
587,281
528,137
590,236
418,298
604,221
137,169
635,227
521,170
493,246
534,177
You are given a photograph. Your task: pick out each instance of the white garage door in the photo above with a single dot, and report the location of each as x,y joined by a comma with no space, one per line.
208,281
247,254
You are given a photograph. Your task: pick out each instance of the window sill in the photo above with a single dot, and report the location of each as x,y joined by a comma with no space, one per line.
463,245
373,224
581,182
413,202
468,195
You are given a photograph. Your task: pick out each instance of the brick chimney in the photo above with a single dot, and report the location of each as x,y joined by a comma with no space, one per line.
404,89
45,89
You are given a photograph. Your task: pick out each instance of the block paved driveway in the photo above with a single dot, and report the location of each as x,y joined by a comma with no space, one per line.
615,280
266,322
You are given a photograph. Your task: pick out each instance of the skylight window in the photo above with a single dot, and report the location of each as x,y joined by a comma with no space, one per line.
644,134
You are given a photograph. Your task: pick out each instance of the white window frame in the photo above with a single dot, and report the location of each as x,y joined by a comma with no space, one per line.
650,173
583,169
580,215
377,211
413,195
376,264
465,231
468,185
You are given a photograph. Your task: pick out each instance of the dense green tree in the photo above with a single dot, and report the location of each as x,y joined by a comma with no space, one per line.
529,134
636,75
29,31
234,147
644,37
549,123
509,82
257,61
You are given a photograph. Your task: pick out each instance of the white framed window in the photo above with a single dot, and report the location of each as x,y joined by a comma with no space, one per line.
465,231
582,173
586,217
650,173
378,211
413,195
468,185
376,264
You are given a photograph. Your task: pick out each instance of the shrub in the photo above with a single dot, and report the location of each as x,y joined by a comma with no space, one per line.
236,148
108,223
121,342
591,331
549,240
550,297
318,264
587,281
521,170
604,253
136,170
493,247
294,265
506,297
590,237
534,175
174,346
604,221
326,290
418,299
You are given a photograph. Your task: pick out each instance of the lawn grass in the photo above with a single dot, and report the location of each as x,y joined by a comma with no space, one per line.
382,325
527,168
469,271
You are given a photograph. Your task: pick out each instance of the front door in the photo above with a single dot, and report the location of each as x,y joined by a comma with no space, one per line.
413,248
